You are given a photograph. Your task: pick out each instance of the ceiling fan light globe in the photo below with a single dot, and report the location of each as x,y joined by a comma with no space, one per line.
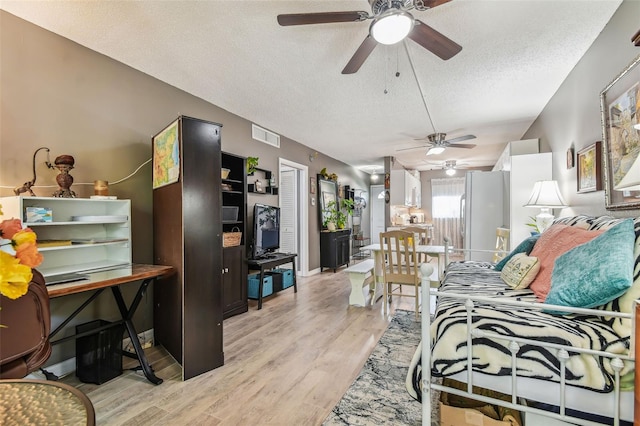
391,26
450,172
435,150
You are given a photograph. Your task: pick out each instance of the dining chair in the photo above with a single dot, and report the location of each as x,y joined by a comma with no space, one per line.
399,253
502,244
421,238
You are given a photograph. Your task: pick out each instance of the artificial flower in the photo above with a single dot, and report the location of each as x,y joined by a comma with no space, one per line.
18,254
9,227
14,277
28,254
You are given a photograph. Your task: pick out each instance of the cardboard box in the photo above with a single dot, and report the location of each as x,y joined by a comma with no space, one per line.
455,416
38,215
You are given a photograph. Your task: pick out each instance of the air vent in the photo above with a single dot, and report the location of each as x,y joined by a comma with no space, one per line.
263,135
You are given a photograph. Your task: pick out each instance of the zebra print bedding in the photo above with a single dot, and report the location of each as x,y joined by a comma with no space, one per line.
449,334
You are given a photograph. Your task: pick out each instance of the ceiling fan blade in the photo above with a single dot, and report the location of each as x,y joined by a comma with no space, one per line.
433,3
435,42
461,145
321,18
413,147
360,56
461,138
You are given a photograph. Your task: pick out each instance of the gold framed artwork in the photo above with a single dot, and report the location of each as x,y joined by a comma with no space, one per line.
619,103
590,168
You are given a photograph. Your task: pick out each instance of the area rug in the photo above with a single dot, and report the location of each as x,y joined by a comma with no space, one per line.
379,396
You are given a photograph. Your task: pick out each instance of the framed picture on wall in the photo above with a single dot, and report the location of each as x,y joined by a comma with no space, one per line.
166,156
621,137
312,185
590,168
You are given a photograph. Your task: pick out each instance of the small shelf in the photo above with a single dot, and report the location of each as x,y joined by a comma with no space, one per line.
82,246
232,181
266,183
74,223
232,222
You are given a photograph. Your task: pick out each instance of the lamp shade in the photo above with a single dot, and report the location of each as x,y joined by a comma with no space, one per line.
631,180
546,194
391,26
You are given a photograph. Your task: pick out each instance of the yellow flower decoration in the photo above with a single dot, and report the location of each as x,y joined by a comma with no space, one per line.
20,256
14,277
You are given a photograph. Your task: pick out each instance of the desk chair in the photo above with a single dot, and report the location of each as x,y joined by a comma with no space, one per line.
502,244
24,335
399,252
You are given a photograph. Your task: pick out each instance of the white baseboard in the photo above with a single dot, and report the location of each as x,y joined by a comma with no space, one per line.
312,272
68,366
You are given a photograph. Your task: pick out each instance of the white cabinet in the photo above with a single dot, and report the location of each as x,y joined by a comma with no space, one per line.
83,234
521,147
406,189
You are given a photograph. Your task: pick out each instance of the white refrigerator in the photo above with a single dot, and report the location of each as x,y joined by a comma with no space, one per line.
484,207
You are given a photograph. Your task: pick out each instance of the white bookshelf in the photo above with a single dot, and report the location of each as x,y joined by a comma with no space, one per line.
100,239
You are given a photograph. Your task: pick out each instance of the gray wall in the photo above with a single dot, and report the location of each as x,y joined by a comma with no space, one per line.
572,116
73,100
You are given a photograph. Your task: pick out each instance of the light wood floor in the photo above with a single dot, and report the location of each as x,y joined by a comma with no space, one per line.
286,364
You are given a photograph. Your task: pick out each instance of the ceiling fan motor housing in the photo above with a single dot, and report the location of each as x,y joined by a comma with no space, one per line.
379,6
437,138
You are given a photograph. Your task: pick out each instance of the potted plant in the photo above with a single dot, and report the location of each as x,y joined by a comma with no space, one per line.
336,217
533,225
333,217
252,164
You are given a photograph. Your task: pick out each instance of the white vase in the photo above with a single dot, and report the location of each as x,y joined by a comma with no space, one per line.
331,226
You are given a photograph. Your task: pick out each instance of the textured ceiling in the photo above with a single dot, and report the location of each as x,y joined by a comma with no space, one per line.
288,79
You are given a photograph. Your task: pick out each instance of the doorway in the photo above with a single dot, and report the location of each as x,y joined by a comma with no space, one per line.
377,212
294,215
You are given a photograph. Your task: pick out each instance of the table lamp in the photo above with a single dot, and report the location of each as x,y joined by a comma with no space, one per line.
631,179
545,195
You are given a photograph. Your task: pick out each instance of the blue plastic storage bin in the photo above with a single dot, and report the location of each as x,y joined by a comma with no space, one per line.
252,282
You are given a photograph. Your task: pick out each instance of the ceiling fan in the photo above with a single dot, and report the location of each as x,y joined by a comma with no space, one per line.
437,142
449,166
392,22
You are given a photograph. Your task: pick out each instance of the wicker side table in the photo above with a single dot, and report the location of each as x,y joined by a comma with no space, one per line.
41,402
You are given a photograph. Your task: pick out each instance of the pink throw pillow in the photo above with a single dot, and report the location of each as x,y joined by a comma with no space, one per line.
553,242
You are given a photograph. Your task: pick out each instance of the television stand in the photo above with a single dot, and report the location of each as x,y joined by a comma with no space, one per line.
270,263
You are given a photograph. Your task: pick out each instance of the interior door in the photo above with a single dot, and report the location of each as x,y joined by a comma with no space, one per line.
288,211
377,212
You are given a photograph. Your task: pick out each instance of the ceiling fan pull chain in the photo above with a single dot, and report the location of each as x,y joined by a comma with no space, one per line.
386,71
397,62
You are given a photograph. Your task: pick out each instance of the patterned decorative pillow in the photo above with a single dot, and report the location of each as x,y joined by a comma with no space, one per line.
520,271
580,221
596,272
553,242
524,247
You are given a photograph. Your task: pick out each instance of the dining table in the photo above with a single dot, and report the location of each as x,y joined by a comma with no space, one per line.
440,253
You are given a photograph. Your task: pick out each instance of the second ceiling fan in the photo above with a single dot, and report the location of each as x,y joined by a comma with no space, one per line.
392,22
437,142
